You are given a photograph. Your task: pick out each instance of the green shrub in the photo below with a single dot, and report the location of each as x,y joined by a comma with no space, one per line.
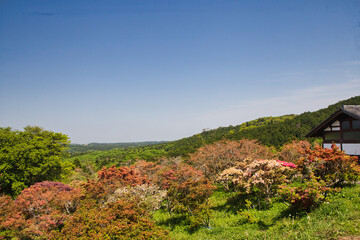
307,196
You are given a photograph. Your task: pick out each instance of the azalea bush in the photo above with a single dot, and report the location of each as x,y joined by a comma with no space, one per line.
214,158
39,209
331,165
260,177
111,179
307,196
118,220
146,196
292,152
188,192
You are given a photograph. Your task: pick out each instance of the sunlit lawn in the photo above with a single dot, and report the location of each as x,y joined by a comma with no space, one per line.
339,216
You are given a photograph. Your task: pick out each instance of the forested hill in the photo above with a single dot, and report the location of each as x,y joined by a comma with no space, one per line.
77,148
271,131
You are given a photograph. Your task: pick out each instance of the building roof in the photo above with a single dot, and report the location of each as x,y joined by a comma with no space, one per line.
350,110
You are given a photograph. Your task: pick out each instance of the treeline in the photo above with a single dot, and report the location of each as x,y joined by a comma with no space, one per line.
78,149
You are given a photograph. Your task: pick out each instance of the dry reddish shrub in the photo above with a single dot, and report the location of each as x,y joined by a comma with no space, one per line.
214,158
188,192
293,151
148,169
111,179
41,208
118,220
331,165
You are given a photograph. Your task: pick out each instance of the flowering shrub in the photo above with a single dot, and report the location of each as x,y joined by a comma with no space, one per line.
287,164
41,208
308,196
331,165
293,151
111,179
118,220
258,176
147,196
188,192
6,208
148,169
214,158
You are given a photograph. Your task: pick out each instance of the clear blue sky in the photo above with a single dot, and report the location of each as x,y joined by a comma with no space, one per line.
129,70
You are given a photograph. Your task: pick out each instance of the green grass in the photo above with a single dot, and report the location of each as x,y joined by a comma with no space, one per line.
339,216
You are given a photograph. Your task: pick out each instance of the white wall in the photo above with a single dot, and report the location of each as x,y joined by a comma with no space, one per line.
349,148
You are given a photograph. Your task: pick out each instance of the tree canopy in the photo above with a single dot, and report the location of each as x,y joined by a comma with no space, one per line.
29,156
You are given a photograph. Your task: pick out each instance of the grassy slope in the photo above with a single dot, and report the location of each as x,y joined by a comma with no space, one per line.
340,216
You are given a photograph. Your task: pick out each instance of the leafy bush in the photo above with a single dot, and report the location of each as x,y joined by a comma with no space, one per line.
260,177
308,196
293,151
118,220
148,197
188,192
214,158
111,179
331,165
39,209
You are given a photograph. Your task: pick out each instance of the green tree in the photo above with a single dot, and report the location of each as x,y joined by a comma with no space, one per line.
29,156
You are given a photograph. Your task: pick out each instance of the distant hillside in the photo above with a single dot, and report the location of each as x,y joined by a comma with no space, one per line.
271,131
80,148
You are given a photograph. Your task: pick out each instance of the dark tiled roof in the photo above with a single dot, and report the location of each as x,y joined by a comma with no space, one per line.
350,110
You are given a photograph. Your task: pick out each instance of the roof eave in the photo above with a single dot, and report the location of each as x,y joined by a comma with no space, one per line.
314,131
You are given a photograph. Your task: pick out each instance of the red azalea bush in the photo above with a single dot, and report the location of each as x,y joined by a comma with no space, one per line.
118,220
148,169
111,179
41,208
188,192
331,165
308,196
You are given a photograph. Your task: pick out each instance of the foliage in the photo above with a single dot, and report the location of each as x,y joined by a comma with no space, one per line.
110,179
118,220
292,152
116,206
214,158
39,209
331,165
261,177
29,156
148,197
308,196
150,170
79,149
118,157
187,192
